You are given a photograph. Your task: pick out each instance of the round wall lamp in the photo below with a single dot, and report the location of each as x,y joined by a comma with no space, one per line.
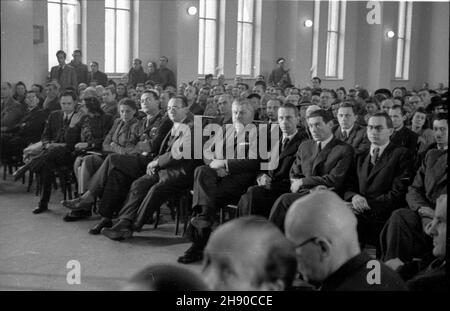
390,34
192,10
308,23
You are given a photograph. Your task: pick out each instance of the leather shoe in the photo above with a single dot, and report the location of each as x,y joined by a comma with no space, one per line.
71,203
40,209
117,234
193,254
104,223
77,215
21,171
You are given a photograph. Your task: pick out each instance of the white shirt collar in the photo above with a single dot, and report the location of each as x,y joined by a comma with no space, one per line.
175,127
325,142
372,147
68,115
347,130
290,136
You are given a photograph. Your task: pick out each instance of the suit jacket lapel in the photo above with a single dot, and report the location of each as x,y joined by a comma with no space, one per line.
290,146
381,161
323,154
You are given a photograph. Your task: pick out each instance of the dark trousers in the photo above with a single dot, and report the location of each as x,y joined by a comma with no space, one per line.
12,147
148,193
281,206
113,179
49,161
403,237
212,191
258,200
369,229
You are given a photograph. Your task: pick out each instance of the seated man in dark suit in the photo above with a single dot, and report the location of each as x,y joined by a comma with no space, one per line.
323,161
402,135
11,110
323,230
404,235
51,102
26,132
432,277
349,131
59,138
113,179
224,179
249,253
379,182
166,175
271,184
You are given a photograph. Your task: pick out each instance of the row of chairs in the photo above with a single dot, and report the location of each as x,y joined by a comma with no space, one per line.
180,205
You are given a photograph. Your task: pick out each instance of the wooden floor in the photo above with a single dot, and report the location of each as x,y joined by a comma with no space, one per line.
35,249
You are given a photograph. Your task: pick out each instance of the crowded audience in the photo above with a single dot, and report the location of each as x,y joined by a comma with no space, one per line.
355,170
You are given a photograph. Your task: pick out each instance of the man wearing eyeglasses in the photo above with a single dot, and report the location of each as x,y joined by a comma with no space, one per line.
323,230
379,183
166,175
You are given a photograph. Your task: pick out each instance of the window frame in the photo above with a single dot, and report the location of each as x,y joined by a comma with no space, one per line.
403,41
216,41
78,43
252,23
130,12
340,41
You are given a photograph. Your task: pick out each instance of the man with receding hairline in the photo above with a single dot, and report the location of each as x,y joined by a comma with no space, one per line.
249,253
223,179
323,230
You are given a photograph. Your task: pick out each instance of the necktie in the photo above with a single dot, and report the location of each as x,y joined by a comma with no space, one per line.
66,121
344,134
374,157
284,143
319,147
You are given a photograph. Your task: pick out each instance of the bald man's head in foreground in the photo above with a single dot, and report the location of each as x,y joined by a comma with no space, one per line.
323,230
249,253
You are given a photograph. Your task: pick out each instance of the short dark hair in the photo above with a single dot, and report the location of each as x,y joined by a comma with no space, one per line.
383,91
383,114
167,60
154,93
342,89
254,95
68,93
399,107
40,87
128,102
317,78
183,100
348,104
326,116
95,63
261,83
288,106
77,51
61,52
441,116
209,76
244,84
332,92
363,93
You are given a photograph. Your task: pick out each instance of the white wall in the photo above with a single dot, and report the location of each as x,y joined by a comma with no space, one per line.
164,28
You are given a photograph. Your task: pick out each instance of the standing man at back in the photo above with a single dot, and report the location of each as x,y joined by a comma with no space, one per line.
166,75
280,76
81,69
64,74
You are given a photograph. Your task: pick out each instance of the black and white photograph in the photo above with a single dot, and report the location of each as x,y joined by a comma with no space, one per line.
224,151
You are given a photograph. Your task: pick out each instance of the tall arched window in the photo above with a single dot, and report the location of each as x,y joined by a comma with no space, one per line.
403,40
63,28
245,37
117,35
207,37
